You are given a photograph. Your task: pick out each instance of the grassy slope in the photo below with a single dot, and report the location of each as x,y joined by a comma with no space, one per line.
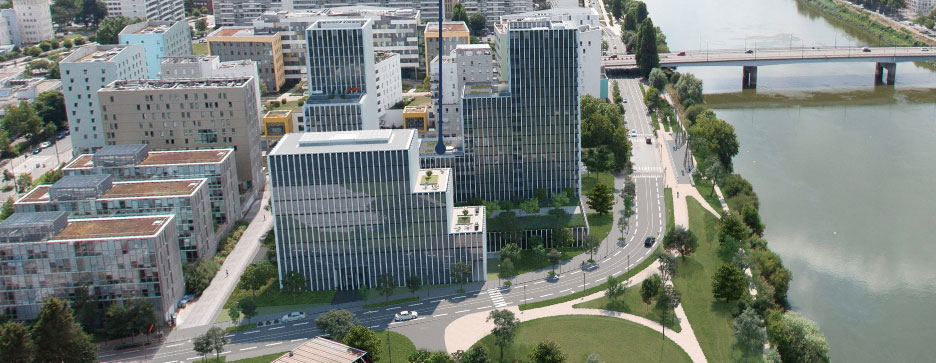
529,262
600,224
589,180
613,340
631,304
704,186
711,320
401,347
270,300
670,214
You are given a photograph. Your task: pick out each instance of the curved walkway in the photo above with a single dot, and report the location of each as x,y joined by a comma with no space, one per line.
463,332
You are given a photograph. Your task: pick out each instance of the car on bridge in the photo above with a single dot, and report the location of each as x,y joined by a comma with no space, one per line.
293,316
649,241
405,315
681,53
749,51
866,49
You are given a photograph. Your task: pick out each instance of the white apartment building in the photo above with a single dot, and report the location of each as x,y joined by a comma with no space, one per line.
389,85
84,72
9,29
166,10
921,6
159,39
34,20
469,69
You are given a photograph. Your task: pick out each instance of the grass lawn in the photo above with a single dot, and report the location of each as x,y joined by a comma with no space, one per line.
704,186
632,304
529,262
711,319
612,339
240,327
261,359
600,225
400,347
199,48
391,302
670,214
590,179
270,300
539,222
656,122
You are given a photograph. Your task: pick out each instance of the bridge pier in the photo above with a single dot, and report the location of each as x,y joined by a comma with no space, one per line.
749,77
879,73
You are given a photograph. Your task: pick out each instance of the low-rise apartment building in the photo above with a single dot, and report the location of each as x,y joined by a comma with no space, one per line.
98,195
118,259
240,43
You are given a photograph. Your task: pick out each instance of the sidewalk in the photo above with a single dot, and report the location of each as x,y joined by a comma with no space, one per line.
681,190
465,331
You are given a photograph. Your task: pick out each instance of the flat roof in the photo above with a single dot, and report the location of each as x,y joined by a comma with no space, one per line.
437,182
38,194
96,53
447,26
339,23
344,141
233,31
278,113
187,59
147,27
170,157
169,84
465,220
152,188
114,227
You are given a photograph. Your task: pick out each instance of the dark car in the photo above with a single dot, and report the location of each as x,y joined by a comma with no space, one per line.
36,150
649,142
681,54
749,51
649,241
60,135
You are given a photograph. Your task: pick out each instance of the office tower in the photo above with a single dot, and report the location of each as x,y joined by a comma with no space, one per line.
119,260
341,76
163,10
159,39
240,43
34,19
351,206
137,162
526,137
97,195
84,72
188,114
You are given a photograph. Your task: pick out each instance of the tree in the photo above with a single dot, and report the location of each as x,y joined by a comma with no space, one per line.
716,137
201,25
202,345
667,267
657,79
474,354
294,283
646,54
752,219
67,43
461,272
505,328
617,8
689,90
729,283
649,288
630,20
601,199
797,339
562,238
668,300
84,306
620,146
559,200
506,268
614,289
7,209
749,330
60,339
477,23
234,313
681,239
217,339
336,323
256,276
622,225
386,283
64,11
24,182
50,107
92,12
530,206
554,257
730,226
199,275
459,13
641,11
21,120
547,351
510,251
652,99
15,343
247,307
413,283
592,243
109,29
363,338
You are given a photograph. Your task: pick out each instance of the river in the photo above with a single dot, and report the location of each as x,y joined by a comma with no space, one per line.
844,171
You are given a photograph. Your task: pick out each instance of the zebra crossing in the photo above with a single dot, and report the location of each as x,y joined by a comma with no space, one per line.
497,298
649,169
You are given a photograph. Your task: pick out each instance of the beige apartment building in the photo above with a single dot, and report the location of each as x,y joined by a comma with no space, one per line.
182,114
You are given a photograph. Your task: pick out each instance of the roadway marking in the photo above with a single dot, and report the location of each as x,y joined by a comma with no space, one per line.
538,282
437,300
619,272
298,324
573,272
546,295
370,312
226,352
415,304
272,344
194,358
168,346
460,297
648,252
296,340
484,307
598,280
631,265
566,290
616,253
390,309
462,311
438,315
248,348
374,326
279,327
251,332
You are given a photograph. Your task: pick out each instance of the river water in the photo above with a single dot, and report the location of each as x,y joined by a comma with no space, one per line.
844,170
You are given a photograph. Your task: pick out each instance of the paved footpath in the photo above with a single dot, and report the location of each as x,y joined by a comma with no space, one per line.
465,331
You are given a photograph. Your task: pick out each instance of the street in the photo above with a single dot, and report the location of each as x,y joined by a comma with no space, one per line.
38,164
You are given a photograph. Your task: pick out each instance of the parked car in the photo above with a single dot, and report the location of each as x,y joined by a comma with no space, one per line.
681,53
649,241
36,150
45,144
60,135
293,316
924,49
866,49
405,315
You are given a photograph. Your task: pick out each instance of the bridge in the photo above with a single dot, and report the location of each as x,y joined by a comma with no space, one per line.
885,57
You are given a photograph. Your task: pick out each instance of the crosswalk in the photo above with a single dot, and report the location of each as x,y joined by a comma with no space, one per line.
657,169
497,298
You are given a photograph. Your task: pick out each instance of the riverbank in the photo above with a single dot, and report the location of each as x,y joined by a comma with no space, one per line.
886,30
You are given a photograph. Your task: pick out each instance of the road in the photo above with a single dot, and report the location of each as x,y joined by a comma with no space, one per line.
758,57
37,164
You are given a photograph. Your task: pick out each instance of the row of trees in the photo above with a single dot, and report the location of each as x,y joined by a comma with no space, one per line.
476,22
37,121
87,12
53,337
604,135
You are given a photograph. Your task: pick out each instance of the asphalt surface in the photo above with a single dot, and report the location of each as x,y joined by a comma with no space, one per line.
37,164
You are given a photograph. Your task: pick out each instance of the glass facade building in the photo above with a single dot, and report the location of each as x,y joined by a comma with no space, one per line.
118,259
351,206
528,137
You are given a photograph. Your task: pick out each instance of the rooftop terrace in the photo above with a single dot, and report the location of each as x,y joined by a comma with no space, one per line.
233,31
175,157
119,227
153,188
432,180
468,220
447,26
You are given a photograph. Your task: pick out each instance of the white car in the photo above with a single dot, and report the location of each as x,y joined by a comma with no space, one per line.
45,144
633,132
405,315
293,316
